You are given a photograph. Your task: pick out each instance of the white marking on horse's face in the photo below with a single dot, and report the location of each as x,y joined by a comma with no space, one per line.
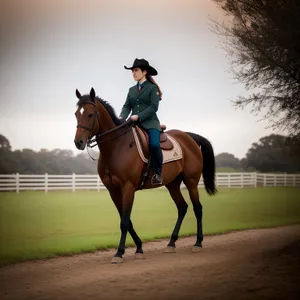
81,110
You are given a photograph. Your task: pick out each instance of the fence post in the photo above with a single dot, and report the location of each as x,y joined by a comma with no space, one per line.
285,179
294,180
254,179
229,182
73,182
98,183
275,179
17,183
46,182
242,184
265,180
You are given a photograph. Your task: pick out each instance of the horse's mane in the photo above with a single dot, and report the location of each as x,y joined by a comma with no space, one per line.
86,99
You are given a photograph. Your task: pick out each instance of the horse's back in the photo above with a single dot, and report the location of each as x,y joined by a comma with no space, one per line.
192,155
184,139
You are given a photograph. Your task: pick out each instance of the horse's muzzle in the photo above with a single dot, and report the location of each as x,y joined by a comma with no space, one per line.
80,144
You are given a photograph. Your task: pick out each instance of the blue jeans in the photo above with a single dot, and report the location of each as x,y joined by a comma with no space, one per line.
156,153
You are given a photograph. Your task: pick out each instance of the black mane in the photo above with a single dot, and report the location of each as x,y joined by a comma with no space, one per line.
86,99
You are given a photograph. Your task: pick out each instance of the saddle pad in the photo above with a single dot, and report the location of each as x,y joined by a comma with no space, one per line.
168,155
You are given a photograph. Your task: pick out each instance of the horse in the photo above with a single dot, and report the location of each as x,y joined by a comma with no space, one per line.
121,168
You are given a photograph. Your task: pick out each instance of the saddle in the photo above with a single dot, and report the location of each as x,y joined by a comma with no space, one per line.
165,143
171,149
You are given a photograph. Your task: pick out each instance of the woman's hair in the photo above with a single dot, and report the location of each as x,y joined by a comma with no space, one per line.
150,78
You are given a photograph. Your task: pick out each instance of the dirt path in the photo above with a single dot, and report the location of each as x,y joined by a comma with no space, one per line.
252,264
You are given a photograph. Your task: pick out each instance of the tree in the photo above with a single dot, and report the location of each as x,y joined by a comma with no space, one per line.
263,43
273,153
227,160
4,143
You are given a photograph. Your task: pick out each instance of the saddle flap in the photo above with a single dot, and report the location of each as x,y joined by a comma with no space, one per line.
143,136
163,137
166,144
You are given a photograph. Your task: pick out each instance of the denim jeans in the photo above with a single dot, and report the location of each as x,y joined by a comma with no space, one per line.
156,153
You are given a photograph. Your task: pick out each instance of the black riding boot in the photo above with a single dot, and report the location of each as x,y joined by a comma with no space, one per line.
157,159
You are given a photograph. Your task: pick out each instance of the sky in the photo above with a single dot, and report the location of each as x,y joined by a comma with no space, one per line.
48,49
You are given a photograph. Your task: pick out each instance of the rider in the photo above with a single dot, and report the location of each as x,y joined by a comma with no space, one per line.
143,100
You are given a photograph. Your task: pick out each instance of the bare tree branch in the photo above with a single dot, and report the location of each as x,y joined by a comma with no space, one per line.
263,45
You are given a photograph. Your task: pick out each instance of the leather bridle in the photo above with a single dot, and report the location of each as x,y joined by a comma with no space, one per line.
98,137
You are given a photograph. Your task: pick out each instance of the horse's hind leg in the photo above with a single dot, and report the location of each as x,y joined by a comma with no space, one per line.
174,190
192,186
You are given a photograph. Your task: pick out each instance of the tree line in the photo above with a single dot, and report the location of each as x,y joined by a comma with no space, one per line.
273,153
57,161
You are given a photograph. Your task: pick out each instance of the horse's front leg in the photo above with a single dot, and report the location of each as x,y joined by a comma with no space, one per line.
127,202
116,196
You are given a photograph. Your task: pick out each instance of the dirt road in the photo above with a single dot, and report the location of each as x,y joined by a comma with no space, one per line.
254,264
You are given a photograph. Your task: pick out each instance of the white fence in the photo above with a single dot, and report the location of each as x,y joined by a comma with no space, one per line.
74,182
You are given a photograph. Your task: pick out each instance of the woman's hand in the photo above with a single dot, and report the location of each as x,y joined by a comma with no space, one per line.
134,117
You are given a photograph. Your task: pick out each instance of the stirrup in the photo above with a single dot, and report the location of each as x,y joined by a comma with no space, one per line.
156,179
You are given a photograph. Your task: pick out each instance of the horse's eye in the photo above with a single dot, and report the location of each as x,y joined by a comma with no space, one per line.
91,115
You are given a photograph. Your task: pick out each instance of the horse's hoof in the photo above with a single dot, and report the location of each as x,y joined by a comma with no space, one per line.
197,249
139,256
116,260
170,250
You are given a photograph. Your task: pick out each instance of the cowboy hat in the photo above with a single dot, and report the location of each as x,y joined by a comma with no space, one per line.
142,64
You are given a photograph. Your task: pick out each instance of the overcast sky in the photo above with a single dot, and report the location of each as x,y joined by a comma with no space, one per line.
50,48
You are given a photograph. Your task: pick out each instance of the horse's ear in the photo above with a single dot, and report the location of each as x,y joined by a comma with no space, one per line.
78,94
92,94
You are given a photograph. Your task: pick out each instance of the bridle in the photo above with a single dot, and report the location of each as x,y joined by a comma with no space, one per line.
95,115
96,139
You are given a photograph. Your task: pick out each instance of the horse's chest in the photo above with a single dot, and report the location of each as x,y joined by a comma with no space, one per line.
107,176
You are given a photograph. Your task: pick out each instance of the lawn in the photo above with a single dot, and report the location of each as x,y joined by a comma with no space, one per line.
37,225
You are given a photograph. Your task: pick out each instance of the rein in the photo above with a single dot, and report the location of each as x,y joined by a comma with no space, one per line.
97,139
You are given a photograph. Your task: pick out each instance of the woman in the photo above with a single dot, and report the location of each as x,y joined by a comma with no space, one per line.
143,100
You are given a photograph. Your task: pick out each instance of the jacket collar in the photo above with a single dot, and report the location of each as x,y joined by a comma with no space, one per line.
144,83
144,86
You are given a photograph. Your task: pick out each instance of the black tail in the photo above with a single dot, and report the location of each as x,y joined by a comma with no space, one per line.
209,165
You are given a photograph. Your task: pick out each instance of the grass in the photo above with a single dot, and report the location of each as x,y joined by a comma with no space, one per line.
34,225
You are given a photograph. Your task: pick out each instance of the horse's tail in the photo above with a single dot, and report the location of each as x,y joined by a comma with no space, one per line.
209,165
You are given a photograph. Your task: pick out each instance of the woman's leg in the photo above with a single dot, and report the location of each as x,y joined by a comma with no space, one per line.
156,155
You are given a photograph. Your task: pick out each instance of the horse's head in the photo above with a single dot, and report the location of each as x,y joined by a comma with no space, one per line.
87,117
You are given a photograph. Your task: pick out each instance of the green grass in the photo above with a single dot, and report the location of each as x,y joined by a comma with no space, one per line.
35,225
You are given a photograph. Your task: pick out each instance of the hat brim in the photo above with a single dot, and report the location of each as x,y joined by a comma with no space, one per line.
150,70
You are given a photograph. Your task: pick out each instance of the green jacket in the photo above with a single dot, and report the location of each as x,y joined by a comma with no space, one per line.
143,103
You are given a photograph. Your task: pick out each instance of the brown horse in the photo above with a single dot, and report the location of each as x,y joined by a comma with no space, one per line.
121,168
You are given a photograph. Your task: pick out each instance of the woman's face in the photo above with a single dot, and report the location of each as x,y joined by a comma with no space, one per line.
138,74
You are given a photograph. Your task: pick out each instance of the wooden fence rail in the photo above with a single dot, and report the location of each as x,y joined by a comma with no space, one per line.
74,182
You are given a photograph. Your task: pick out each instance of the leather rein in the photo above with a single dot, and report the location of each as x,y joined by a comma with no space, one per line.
98,137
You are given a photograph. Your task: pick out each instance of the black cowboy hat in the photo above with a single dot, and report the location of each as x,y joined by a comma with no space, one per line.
142,64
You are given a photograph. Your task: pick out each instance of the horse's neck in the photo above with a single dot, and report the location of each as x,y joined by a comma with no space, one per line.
109,144
106,122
